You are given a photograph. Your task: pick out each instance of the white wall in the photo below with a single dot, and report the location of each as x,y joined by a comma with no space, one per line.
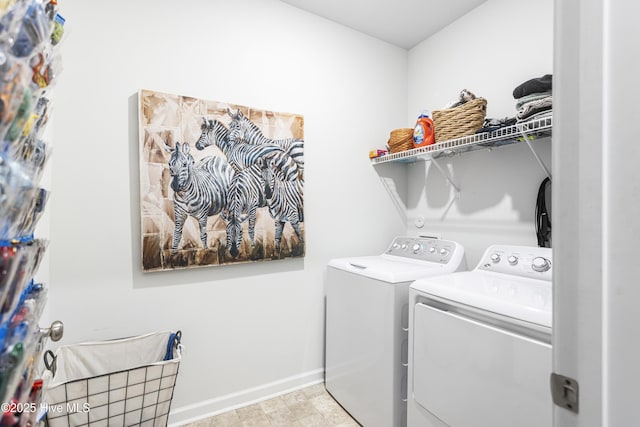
249,330
489,51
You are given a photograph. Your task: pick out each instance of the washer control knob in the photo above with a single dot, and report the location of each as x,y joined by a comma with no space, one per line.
495,258
540,264
417,248
404,246
513,260
395,246
443,252
432,250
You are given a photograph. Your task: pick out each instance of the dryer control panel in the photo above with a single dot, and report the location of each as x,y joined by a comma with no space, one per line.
425,249
524,261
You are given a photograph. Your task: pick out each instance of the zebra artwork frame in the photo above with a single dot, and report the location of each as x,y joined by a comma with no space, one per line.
220,183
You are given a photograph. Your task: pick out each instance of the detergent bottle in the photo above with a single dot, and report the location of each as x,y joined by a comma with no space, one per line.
423,132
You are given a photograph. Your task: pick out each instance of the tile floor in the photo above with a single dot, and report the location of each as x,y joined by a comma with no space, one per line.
307,407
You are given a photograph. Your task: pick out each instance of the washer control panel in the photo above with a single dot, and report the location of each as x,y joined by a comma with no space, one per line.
424,249
522,261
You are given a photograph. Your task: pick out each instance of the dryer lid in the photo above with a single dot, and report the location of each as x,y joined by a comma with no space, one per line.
390,269
519,298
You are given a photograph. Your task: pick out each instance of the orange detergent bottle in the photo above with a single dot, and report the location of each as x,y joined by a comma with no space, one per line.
423,132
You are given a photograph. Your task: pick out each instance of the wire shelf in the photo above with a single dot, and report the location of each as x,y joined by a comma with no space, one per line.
539,128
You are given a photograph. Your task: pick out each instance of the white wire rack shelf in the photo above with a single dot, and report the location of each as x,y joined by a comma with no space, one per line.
519,132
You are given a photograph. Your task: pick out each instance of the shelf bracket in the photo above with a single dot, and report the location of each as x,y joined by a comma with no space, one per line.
446,176
395,198
535,154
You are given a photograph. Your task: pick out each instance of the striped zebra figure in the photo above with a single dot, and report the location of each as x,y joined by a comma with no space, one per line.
241,129
245,197
284,199
242,155
213,132
199,189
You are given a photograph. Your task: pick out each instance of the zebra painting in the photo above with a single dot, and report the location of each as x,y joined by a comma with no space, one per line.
242,155
245,196
241,129
284,199
199,189
204,200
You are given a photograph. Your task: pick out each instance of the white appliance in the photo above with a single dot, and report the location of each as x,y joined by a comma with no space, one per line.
480,343
367,325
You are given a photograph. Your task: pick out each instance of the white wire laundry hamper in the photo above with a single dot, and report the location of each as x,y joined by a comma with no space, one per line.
123,382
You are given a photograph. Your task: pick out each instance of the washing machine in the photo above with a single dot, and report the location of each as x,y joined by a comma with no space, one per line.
367,317
480,343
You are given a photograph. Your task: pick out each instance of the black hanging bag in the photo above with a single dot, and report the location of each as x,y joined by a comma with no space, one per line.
543,214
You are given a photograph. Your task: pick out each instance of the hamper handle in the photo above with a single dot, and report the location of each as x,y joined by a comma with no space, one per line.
174,342
50,364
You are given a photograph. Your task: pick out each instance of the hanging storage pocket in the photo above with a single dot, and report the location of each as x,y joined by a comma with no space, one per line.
127,381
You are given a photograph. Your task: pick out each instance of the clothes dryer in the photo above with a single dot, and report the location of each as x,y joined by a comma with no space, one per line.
480,343
367,325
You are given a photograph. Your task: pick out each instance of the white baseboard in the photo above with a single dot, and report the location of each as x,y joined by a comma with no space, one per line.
209,408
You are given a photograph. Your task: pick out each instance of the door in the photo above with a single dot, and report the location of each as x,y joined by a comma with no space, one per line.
596,209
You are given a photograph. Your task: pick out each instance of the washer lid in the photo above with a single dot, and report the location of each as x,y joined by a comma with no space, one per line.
520,298
391,269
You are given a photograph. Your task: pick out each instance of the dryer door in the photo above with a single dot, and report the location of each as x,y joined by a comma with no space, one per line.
469,374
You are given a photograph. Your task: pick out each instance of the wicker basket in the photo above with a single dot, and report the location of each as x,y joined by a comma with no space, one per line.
460,121
400,140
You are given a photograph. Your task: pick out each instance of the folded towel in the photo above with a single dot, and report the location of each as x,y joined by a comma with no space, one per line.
534,107
494,124
531,97
539,84
537,116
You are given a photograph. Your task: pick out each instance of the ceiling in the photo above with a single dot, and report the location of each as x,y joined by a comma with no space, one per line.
403,23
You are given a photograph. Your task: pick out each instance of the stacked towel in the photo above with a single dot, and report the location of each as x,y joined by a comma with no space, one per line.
534,99
492,124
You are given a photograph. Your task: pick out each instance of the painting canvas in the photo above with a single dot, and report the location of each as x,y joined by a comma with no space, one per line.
219,183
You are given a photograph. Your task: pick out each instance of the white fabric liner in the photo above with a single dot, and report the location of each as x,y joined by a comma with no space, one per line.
91,359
